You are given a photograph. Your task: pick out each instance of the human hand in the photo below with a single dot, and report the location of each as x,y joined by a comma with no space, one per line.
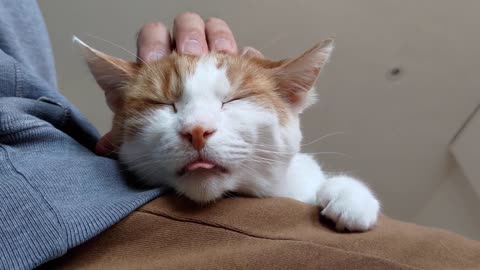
191,35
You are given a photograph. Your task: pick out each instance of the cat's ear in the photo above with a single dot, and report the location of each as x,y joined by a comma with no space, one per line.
297,77
250,52
110,73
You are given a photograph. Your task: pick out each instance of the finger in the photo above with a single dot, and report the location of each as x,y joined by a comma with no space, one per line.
104,145
153,42
189,34
250,52
219,36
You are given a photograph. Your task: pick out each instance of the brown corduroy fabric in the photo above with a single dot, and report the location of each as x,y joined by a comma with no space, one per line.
249,233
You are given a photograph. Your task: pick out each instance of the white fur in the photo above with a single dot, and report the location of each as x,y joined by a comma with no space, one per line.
261,155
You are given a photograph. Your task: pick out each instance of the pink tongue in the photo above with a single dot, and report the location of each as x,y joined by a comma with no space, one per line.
200,164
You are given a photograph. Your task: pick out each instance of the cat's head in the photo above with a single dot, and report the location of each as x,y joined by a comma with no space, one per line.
208,125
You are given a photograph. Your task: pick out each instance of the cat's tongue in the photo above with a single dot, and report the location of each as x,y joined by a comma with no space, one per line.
199,165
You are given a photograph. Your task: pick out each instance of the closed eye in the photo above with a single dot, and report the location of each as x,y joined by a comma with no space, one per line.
156,102
238,98
232,100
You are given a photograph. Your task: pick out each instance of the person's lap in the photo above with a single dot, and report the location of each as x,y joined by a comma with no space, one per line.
248,233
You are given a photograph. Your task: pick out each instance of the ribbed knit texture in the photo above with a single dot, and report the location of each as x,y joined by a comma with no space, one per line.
55,193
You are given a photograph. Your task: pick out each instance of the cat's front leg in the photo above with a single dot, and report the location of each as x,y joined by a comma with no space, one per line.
349,203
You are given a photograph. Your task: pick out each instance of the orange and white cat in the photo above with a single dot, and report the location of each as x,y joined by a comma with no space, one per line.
210,125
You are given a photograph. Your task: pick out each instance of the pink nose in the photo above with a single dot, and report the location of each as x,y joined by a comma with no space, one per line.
197,136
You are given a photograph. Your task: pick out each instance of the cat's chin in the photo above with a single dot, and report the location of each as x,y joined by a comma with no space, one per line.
202,187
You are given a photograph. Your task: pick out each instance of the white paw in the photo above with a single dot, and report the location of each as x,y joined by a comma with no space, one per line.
348,203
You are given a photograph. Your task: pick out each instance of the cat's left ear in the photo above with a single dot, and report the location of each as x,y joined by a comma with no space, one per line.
111,73
297,77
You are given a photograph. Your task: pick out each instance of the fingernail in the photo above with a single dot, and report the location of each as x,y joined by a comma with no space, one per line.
223,44
192,46
156,54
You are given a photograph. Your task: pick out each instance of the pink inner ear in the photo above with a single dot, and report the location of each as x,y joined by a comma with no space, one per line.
298,76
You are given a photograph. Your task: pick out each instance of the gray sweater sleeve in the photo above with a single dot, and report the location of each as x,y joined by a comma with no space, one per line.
55,193
24,37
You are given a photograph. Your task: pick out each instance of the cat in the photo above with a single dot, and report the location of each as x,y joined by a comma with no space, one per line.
206,126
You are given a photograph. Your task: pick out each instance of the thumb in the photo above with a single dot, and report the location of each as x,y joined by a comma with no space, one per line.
105,145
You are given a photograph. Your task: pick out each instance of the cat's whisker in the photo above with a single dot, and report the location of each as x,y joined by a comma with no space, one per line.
305,144
236,146
122,48
259,159
286,154
268,162
149,161
264,158
276,152
319,153
238,153
251,171
322,137
144,158
329,153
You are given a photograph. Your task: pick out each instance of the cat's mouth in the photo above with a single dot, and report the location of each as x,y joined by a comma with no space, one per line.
202,165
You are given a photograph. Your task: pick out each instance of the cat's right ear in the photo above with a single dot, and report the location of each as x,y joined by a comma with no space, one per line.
110,73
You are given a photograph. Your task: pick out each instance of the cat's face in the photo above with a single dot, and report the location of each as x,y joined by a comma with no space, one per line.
208,125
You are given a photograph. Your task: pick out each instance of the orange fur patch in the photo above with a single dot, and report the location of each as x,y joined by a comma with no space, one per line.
252,78
160,83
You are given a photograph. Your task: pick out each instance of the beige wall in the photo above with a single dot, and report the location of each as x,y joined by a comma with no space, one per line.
397,129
